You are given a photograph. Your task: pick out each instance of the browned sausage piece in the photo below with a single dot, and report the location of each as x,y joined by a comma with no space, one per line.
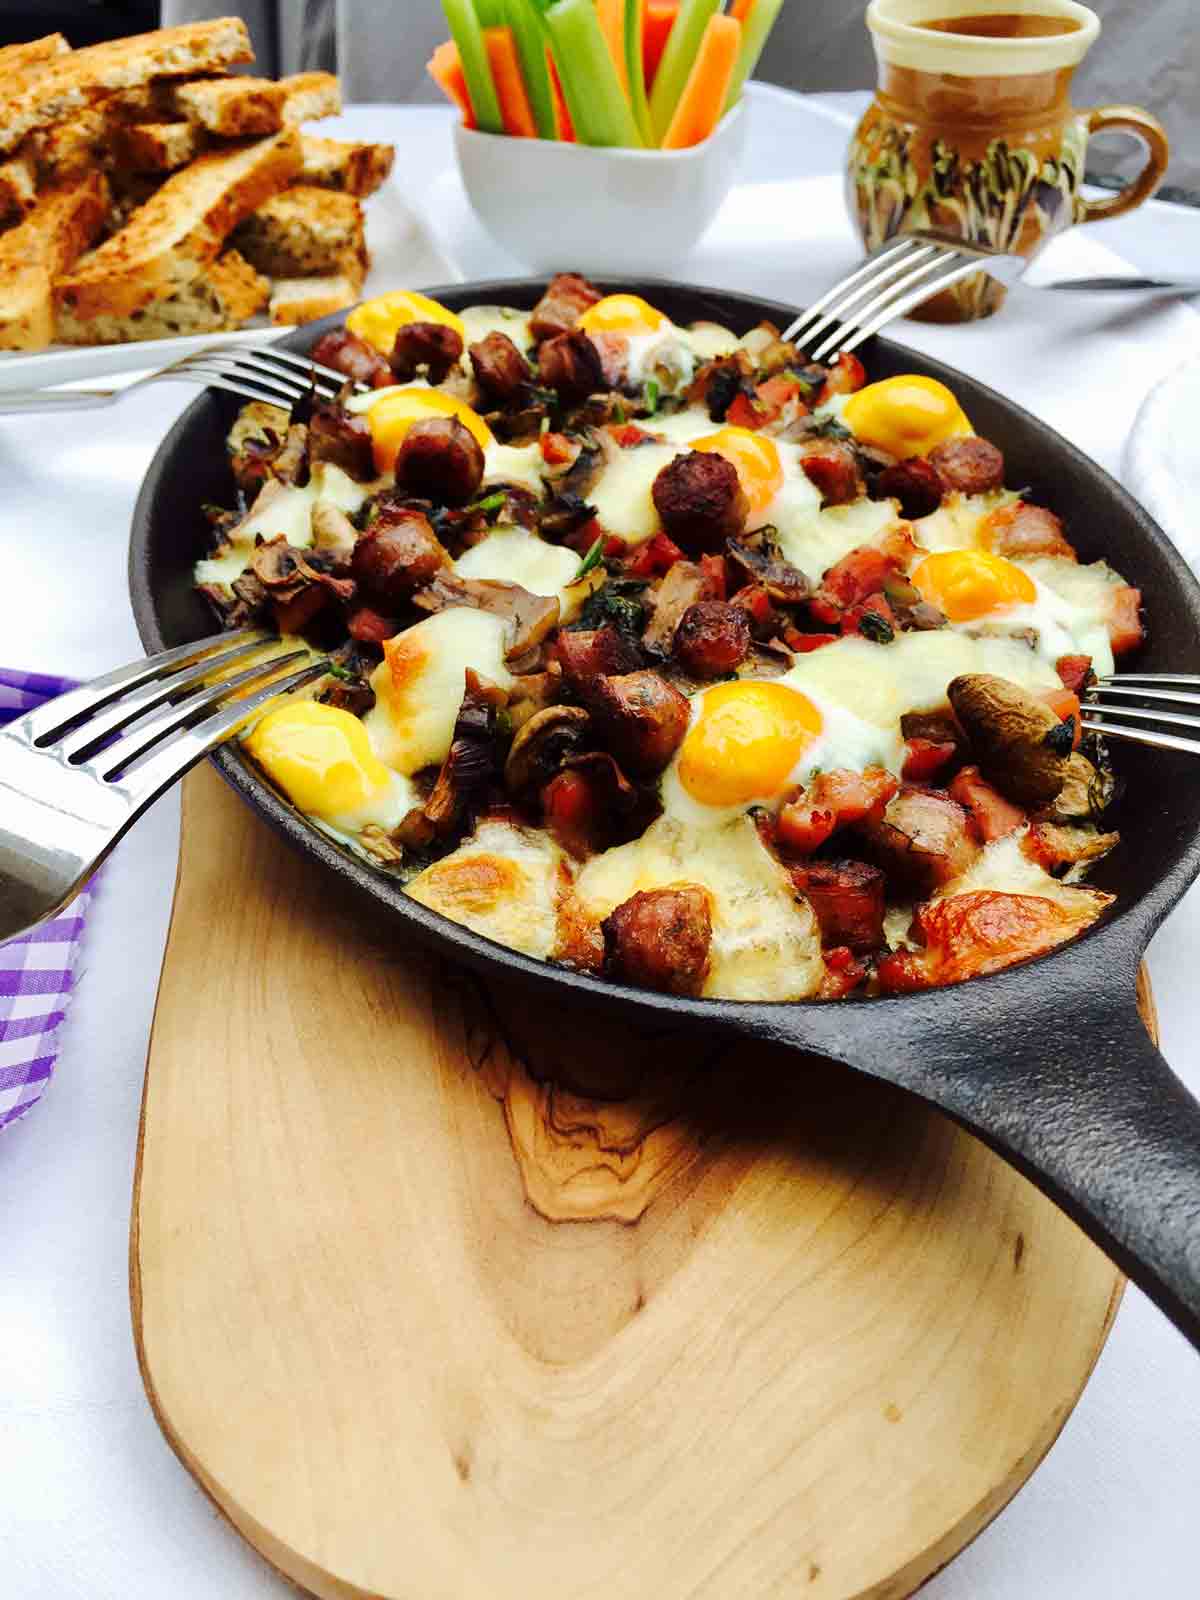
660,938
400,553
1021,531
972,466
642,717
570,365
922,840
700,500
346,352
834,471
500,369
848,899
440,460
595,652
915,483
566,298
338,436
425,344
712,638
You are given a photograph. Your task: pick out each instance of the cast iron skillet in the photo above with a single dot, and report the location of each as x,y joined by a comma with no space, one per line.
1048,1063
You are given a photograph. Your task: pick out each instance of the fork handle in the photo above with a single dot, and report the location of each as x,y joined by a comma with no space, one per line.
14,400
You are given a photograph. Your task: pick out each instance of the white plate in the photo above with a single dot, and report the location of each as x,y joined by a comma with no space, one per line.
1162,462
402,253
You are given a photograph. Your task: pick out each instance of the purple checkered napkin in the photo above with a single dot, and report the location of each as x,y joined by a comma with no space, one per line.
36,971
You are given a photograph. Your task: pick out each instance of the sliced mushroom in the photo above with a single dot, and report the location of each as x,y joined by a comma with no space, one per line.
541,746
471,760
1017,740
530,616
758,554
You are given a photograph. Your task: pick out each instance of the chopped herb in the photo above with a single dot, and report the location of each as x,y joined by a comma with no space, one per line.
651,397
544,426
618,411
876,628
608,605
491,502
342,674
592,559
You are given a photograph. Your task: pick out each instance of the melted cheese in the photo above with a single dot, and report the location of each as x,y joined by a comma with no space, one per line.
504,882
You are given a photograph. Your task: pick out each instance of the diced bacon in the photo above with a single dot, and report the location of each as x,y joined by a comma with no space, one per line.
1053,845
833,800
849,581
921,839
715,570
845,376
1074,671
757,603
654,558
1064,703
1125,630
588,654
847,898
989,815
843,974
370,627
967,935
873,618
925,757
1020,531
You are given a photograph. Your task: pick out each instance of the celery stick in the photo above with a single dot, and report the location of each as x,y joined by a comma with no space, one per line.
672,75
490,13
635,11
589,75
754,36
472,52
530,40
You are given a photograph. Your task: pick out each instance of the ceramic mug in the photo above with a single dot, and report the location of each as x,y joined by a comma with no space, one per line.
972,132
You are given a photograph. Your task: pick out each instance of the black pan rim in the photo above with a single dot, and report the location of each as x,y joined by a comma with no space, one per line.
1129,924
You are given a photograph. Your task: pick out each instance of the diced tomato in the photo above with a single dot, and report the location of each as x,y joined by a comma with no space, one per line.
845,376
1125,629
582,538
966,935
614,546
843,973
833,800
370,627
557,449
924,757
1064,703
715,571
745,413
655,557
775,393
804,643
862,572
628,434
989,815
872,619
570,808
756,603
1074,671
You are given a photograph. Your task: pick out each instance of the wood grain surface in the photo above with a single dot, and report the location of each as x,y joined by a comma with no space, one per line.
440,1290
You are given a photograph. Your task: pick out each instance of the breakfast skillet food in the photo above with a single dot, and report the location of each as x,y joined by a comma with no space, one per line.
661,653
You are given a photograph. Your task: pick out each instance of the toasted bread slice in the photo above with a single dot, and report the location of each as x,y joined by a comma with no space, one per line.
356,169
296,300
46,94
30,56
157,146
231,107
170,240
302,231
61,225
18,187
228,292
310,95
69,148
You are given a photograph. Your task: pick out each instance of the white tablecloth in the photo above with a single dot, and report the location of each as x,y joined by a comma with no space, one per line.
92,1503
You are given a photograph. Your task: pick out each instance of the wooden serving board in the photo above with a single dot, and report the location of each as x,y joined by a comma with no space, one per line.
439,1296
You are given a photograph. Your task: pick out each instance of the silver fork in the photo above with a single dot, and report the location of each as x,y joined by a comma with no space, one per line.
256,372
894,280
79,770
1109,697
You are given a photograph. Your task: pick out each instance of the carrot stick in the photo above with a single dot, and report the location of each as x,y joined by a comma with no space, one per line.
741,9
566,128
660,15
612,25
445,68
703,99
515,111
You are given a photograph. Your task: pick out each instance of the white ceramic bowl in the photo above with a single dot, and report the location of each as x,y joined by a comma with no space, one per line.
558,206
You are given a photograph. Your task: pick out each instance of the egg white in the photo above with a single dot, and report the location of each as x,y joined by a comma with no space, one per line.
514,555
479,321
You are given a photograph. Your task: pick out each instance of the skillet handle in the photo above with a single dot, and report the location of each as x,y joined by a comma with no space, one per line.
1069,1088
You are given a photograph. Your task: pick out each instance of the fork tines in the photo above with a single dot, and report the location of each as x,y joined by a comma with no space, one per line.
262,372
1110,698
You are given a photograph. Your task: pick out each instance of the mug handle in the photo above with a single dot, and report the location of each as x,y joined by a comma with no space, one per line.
1153,135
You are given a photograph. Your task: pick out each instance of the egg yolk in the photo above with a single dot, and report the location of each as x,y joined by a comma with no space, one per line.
394,413
320,757
755,458
746,741
966,584
378,321
623,313
908,415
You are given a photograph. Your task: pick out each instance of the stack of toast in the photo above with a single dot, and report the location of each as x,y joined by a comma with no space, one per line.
146,191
